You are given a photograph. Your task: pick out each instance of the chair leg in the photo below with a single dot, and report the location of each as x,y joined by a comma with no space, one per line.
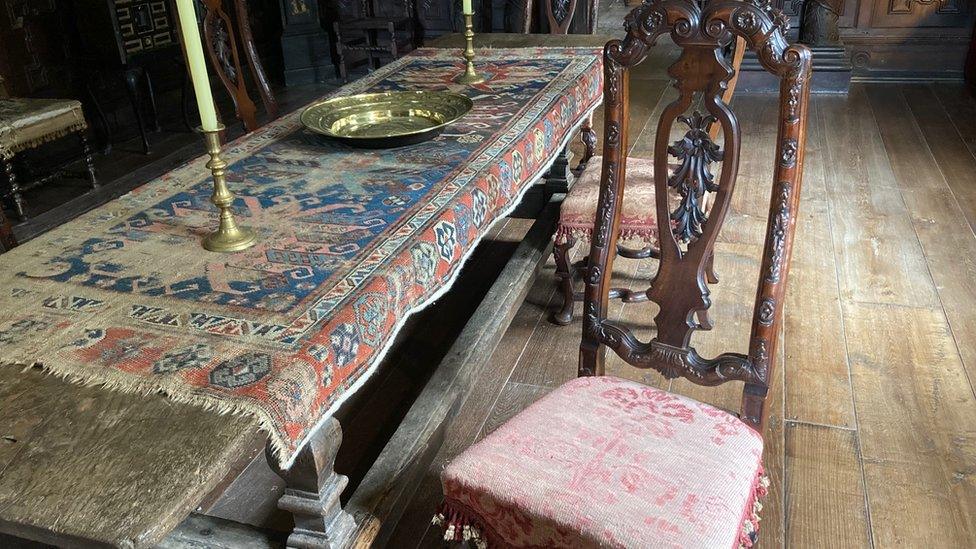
588,137
13,187
564,274
89,159
340,50
100,118
151,96
135,97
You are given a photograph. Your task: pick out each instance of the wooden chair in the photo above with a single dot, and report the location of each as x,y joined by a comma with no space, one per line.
27,123
577,215
222,35
400,34
602,461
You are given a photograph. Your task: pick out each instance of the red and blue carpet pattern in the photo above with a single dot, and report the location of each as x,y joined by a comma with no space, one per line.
351,242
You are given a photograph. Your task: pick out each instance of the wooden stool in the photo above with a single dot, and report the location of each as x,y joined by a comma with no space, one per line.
28,123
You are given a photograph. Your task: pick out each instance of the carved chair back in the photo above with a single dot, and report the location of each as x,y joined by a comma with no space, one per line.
222,36
560,14
702,29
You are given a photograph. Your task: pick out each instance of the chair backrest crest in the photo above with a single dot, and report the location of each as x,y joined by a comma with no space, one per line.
703,29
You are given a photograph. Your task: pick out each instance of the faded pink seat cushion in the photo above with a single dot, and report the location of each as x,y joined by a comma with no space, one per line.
605,462
638,220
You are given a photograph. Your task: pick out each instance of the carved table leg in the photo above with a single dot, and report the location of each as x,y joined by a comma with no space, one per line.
560,177
312,493
13,187
564,275
89,160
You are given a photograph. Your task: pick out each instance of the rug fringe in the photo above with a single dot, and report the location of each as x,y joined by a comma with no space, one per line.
122,382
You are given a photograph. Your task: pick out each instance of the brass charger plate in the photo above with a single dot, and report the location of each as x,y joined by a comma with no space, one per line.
386,119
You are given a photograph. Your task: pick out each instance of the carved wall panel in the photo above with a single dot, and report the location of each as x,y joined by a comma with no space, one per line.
921,13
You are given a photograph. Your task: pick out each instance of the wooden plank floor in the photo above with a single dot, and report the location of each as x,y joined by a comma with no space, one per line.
872,442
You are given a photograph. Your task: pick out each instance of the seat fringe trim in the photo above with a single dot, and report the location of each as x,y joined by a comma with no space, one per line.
749,533
461,526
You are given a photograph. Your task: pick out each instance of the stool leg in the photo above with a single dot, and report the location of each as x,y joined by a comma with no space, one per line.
13,187
89,159
564,274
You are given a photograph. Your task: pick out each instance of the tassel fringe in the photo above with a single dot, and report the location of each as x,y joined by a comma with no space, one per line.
459,526
750,522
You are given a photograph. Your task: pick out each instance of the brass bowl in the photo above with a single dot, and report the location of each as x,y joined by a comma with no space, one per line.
386,119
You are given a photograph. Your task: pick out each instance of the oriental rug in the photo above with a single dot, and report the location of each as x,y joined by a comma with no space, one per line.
352,241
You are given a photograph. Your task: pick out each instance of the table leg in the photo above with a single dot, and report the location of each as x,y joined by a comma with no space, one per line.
312,493
560,176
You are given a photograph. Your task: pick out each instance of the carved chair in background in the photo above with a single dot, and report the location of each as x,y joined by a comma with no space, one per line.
223,34
27,123
577,216
400,36
609,462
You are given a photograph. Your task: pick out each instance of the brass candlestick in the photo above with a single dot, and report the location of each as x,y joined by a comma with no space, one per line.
469,76
228,237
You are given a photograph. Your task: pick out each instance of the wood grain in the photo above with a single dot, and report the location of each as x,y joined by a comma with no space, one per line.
940,199
956,162
826,504
917,425
878,260
816,352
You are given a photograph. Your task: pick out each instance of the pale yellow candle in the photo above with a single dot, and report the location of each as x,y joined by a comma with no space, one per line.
466,7
197,64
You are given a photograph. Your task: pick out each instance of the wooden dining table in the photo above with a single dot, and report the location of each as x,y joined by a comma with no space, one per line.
125,453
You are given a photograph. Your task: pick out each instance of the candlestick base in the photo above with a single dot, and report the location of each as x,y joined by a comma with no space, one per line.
230,240
470,76
228,237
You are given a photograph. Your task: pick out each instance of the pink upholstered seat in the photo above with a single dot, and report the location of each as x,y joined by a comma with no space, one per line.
605,462
638,220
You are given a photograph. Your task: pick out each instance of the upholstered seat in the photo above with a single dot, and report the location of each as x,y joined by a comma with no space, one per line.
26,123
638,220
605,462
